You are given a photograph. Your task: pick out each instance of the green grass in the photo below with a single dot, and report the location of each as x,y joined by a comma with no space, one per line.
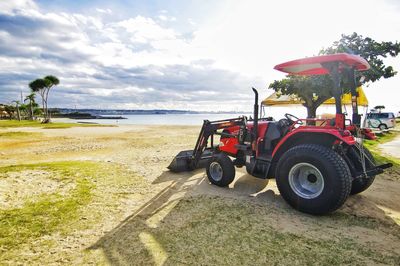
96,183
52,125
49,212
42,217
218,231
221,227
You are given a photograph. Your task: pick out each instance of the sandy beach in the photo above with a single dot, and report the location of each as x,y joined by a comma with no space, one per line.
139,212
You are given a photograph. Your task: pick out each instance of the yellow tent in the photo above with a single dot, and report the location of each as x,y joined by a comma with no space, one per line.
273,99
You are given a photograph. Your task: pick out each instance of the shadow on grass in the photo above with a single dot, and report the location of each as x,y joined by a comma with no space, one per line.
177,227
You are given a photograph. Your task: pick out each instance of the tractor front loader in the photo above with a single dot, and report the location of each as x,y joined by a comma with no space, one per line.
197,158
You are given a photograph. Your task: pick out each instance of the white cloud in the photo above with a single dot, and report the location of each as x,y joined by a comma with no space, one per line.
166,18
146,29
104,11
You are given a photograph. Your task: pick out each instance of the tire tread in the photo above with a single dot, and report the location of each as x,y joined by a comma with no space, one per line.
335,159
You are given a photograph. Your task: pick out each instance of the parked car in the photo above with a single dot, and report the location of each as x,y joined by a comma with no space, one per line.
381,120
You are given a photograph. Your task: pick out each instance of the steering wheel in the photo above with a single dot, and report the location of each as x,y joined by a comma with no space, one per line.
292,118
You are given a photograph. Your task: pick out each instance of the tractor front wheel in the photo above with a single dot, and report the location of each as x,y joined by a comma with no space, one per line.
220,170
313,179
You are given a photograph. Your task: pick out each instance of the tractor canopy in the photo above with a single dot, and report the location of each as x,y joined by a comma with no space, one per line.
335,65
316,65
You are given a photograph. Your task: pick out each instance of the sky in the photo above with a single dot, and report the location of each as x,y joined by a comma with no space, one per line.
199,55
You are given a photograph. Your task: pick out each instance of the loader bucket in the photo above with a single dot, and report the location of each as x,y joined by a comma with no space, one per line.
181,162
184,161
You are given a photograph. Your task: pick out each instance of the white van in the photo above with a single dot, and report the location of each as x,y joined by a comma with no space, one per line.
381,120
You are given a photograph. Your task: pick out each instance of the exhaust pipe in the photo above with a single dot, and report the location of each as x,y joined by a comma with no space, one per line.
255,122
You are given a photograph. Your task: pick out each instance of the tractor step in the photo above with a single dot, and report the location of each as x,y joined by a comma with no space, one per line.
183,161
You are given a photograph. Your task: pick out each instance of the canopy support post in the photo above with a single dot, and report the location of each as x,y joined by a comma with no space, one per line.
356,119
333,69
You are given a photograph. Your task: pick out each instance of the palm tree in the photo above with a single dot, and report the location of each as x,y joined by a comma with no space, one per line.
39,85
17,106
31,99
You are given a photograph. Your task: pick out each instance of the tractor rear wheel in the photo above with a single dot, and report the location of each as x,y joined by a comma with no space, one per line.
220,170
362,183
313,179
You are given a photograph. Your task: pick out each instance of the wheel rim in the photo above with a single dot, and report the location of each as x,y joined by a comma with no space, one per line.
216,171
306,180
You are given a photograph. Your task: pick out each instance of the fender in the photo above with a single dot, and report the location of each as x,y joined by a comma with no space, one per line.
341,135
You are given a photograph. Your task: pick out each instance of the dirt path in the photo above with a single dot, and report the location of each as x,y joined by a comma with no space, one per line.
392,148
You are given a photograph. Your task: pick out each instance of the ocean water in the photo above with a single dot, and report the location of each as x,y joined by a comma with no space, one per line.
197,119
180,119
162,119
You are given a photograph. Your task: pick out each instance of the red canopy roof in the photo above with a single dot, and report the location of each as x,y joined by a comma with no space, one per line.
313,65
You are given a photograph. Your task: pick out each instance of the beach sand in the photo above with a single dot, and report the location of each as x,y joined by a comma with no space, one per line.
146,151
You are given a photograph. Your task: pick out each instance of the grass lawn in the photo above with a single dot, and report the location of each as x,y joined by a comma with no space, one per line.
106,210
219,231
76,203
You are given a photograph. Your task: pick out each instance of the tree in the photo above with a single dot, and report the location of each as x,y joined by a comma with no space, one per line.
379,108
43,86
31,99
24,111
17,107
370,50
314,90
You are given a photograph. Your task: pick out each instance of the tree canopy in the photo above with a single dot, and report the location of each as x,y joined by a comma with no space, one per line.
370,50
43,86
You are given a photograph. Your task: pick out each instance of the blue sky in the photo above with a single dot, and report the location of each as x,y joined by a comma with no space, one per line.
199,55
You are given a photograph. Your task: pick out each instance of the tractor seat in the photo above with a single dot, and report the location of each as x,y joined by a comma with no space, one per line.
274,132
284,125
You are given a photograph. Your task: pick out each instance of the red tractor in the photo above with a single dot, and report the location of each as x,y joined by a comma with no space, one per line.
317,163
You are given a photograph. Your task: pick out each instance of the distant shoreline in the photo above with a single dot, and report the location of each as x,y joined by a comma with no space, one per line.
121,112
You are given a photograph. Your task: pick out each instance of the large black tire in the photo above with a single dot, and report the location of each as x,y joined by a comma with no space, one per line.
220,170
361,184
313,179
